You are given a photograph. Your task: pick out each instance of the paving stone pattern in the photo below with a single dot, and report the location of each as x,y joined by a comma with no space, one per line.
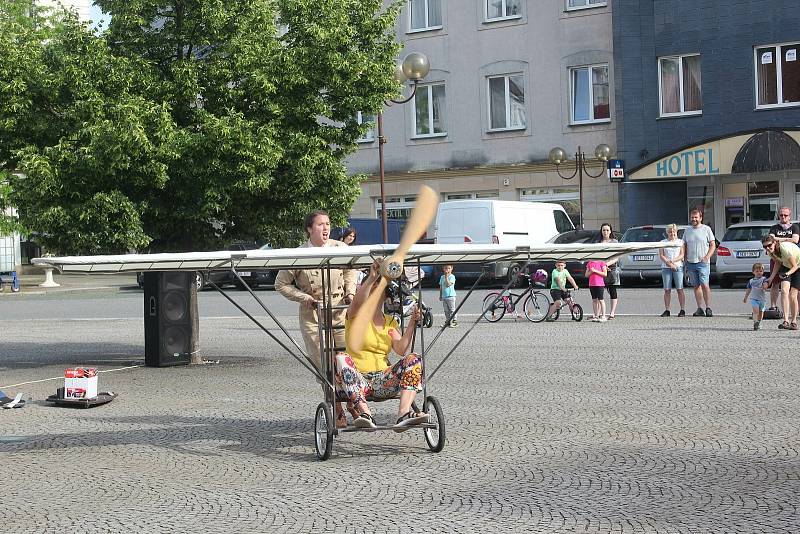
627,426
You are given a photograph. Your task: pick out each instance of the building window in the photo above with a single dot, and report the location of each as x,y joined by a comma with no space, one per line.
470,195
503,9
567,197
762,200
396,207
429,111
778,75
590,101
583,4
680,88
507,103
701,197
369,135
424,15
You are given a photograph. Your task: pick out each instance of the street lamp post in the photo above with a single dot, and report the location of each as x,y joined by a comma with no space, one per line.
414,67
558,156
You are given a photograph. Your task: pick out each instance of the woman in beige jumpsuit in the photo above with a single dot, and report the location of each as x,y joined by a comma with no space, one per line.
305,286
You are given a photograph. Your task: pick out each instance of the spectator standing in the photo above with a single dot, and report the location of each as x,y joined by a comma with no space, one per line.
349,238
672,269
784,230
447,294
613,278
597,271
755,291
787,261
700,245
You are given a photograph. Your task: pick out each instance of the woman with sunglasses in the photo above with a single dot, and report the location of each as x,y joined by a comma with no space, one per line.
787,261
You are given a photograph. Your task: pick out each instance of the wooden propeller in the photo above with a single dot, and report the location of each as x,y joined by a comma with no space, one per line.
392,267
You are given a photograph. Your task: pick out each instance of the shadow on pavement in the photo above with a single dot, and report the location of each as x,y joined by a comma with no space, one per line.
36,355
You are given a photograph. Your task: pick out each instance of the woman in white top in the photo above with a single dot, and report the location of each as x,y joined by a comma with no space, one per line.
672,269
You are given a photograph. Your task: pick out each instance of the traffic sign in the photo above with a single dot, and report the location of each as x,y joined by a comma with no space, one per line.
616,170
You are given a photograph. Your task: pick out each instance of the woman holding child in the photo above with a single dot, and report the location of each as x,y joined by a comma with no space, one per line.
787,260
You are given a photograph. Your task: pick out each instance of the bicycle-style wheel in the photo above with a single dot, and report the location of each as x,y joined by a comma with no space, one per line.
494,307
577,312
536,307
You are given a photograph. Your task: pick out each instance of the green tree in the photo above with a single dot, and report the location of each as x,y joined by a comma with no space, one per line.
189,122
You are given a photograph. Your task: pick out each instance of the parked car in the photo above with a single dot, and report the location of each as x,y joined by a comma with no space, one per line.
739,249
484,221
576,268
253,278
644,264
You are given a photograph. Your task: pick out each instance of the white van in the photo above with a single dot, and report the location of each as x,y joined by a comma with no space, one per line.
498,221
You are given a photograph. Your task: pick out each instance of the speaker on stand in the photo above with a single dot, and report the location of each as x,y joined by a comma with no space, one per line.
171,322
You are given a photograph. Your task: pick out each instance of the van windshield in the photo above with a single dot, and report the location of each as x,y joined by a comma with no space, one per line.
647,235
746,233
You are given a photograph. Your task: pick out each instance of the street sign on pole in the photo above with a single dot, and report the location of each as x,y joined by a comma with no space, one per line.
616,170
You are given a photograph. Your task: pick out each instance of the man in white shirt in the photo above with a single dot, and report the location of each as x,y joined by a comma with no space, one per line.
700,246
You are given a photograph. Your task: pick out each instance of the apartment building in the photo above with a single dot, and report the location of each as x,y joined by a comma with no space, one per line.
509,81
707,109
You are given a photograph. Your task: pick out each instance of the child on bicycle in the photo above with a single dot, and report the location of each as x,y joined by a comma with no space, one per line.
558,287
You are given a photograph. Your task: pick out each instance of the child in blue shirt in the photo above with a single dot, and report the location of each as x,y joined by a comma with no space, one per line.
755,291
447,294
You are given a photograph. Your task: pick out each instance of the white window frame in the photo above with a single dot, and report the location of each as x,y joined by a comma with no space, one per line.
369,136
471,195
778,73
590,4
681,113
591,120
404,202
429,88
504,17
506,78
427,26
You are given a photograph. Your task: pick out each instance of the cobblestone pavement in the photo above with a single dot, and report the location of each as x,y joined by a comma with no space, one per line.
626,426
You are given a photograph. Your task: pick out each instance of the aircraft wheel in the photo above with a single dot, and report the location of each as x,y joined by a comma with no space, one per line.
434,437
323,431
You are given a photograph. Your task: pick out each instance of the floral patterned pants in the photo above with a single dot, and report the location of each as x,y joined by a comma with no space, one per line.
356,387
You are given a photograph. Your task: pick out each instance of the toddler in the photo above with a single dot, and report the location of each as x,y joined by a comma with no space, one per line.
755,291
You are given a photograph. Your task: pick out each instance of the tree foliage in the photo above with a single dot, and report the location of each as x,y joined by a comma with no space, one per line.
188,122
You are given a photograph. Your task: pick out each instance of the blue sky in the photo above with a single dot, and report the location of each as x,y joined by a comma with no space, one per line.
100,20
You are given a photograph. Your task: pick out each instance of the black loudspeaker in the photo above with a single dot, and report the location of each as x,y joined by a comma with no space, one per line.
170,318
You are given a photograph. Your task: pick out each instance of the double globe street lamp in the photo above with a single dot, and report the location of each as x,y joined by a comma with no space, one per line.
558,156
414,68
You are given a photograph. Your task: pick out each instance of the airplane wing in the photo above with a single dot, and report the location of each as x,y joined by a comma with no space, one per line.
360,256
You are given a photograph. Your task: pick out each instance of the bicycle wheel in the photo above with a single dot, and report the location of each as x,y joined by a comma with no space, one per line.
577,312
494,307
536,307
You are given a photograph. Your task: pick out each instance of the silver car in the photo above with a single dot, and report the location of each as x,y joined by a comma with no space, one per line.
739,249
644,264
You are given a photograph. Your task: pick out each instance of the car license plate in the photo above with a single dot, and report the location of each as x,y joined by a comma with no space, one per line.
748,254
644,257
243,273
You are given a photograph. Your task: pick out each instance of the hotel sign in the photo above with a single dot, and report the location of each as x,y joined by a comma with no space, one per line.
709,159
693,162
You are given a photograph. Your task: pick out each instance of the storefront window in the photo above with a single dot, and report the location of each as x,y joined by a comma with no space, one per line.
701,197
763,200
